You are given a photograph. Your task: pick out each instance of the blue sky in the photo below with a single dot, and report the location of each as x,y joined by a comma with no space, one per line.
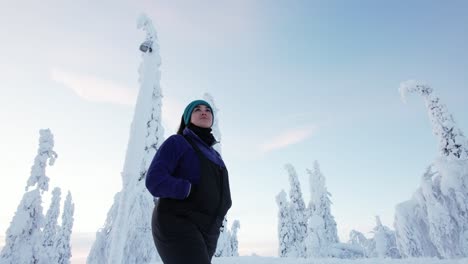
296,81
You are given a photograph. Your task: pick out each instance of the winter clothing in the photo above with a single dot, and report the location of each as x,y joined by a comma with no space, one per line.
191,181
176,166
189,109
203,133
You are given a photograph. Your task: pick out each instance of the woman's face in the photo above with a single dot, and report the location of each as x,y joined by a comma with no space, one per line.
202,116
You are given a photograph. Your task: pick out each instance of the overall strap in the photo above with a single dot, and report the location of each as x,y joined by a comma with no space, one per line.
199,152
194,145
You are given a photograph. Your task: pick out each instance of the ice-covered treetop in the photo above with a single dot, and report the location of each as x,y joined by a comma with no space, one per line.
452,142
145,23
44,153
412,86
317,183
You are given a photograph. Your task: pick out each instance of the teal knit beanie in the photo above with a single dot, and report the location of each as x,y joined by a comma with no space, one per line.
189,109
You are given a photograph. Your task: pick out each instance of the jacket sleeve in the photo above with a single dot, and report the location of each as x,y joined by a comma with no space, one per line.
160,181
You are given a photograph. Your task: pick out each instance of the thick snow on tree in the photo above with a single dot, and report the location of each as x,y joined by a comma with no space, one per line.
433,223
23,242
444,227
49,233
440,205
452,142
44,153
215,128
223,248
345,251
285,227
127,234
234,242
100,247
385,241
358,239
23,237
321,225
62,242
298,212
412,229
228,245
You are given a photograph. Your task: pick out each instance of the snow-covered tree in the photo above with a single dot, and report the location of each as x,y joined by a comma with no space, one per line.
440,206
223,248
49,233
228,245
358,239
126,236
298,212
412,230
234,242
285,227
385,241
23,242
62,242
100,248
452,142
215,128
443,227
321,225
45,154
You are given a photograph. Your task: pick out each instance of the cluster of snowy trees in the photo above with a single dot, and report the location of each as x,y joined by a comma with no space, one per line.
33,237
126,235
311,232
306,231
433,223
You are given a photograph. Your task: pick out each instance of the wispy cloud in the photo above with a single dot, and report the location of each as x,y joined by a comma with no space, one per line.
288,138
95,89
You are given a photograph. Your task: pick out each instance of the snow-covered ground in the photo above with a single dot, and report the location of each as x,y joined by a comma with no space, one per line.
271,260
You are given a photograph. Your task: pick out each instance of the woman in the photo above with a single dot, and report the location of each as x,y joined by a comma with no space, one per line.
191,181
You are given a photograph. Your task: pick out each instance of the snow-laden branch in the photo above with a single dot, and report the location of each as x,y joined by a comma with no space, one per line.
452,142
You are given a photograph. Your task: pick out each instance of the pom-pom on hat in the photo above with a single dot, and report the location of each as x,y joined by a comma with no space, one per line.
189,109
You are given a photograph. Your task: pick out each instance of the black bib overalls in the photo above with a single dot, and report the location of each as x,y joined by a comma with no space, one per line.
186,231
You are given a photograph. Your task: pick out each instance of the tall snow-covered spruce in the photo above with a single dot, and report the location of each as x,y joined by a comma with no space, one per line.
23,242
285,227
49,233
435,221
126,236
298,212
321,225
62,242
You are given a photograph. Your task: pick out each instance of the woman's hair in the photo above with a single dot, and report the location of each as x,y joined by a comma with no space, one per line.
181,126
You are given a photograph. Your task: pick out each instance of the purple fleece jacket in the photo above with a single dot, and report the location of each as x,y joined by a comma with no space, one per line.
176,166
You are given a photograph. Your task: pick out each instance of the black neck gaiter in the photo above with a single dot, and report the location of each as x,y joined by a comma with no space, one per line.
203,133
